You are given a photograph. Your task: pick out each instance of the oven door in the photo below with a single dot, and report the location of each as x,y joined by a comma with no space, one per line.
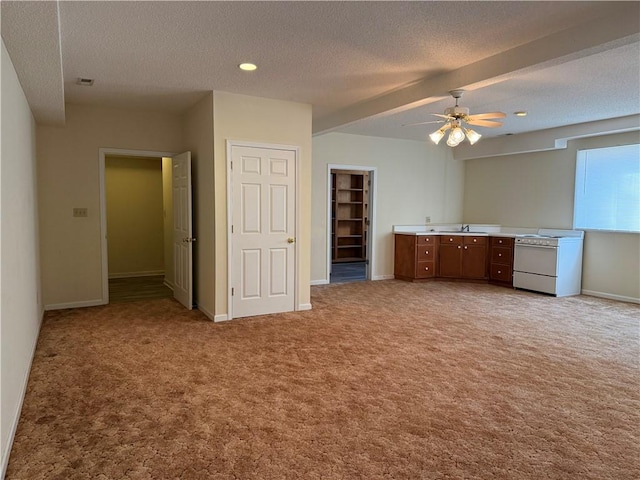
536,259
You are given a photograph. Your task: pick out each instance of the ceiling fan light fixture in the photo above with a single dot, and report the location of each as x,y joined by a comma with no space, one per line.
452,140
472,136
456,135
437,136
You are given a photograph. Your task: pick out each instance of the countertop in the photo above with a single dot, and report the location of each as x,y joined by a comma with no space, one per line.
477,230
467,234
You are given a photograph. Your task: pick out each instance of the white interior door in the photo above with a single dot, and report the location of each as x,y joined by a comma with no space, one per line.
182,229
263,196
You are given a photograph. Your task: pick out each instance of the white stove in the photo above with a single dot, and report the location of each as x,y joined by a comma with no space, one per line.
549,262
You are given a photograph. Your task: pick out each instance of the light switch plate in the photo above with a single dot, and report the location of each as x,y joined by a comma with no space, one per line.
80,212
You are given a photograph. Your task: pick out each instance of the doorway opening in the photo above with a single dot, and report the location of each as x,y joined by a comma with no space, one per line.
139,224
177,248
350,220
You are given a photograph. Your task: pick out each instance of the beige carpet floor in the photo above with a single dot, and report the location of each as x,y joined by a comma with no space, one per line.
381,380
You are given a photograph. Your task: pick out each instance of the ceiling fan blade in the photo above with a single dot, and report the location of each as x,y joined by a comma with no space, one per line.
484,123
484,116
422,123
440,115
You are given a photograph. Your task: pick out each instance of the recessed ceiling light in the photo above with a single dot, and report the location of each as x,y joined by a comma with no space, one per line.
247,67
85,82
520,114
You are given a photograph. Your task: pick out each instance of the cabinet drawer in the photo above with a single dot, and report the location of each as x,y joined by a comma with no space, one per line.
451,240
502,242
425,253
502,255
425,269
426,240
501,273
475,240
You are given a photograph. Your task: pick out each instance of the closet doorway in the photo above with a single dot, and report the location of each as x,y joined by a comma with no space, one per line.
350,221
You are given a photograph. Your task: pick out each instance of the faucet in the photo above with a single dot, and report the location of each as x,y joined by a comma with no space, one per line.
464,228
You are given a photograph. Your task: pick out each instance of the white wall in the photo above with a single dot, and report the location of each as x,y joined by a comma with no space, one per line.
537,190
135,224
415,180
262,120
68,177
198,137
21,306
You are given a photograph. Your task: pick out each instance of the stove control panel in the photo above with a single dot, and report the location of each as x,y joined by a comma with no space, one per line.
545,242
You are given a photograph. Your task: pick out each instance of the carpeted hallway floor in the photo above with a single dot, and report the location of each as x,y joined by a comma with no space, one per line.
381,380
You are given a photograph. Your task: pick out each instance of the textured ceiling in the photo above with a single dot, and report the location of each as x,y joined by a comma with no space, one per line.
355,62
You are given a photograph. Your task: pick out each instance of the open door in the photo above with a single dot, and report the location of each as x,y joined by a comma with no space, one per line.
182,229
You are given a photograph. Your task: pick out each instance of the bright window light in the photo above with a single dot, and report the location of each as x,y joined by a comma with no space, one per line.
607,195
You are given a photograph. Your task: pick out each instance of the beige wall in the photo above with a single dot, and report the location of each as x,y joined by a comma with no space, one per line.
536,190
261,120
167,211
198,137
68,164
20,306
135,224
415,180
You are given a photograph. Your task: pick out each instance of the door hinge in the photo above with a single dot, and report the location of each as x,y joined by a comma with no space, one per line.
231,165
233,292
231,228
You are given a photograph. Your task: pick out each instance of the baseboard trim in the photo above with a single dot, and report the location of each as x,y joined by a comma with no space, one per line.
16,416
383,277
168,284
221,317
304,306
610,296
206,312
151,273
85,303
319,282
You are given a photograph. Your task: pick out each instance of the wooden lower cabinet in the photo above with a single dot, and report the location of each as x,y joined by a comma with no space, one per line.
445,256
463,257
450,256
414,257
501,260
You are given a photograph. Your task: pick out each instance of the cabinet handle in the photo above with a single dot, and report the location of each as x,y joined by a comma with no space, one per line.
465,247
499,271
427,252
499,241
426,268
499,254
475,240
459,246
451,239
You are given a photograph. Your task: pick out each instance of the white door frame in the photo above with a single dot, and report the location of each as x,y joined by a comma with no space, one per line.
103,153
296,151
373,191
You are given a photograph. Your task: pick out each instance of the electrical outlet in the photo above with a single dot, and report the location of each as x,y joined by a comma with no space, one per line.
427,219
80,212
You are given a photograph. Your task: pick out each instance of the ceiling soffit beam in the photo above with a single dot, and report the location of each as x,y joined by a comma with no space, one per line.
544,140
31,34
621,28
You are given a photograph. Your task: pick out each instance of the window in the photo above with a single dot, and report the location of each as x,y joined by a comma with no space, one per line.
608,189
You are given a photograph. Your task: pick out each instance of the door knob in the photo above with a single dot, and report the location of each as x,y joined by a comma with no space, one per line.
291,240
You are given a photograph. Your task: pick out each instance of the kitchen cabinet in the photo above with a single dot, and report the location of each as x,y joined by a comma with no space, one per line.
462,257
415,257
349,211
501,260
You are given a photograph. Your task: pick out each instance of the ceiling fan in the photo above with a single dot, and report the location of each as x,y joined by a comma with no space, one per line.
455,118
